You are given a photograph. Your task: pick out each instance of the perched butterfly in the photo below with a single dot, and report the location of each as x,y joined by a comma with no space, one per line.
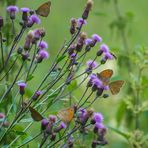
114,86
44,9
66,115
35,114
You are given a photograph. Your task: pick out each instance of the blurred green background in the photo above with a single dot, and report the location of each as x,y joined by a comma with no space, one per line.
102,15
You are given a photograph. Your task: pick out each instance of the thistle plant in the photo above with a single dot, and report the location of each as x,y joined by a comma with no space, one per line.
22,109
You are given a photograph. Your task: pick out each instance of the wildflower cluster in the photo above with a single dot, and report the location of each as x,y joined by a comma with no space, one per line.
54,86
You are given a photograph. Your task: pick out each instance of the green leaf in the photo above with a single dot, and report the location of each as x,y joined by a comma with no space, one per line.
52,96
26,120
61,58
72,85
124,134
30,77
26,140
120,112
19,132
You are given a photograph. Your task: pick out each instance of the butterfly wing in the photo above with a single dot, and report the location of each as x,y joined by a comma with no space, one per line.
105,76
66,115
35,114
115,86
44,9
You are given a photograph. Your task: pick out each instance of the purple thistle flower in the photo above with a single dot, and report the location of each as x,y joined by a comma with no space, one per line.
25,9
73,55
106,87
91,64
22,86
98,117
104,48
92,76
81,22
43,54
37,34
88,41
52,118
97,83
108,55
97,38
37,95
44,124
34,19
82,115
99,125
11,9
62,125
42,45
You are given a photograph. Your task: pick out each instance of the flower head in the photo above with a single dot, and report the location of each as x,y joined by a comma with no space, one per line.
43,54
52,118
81,22
38,33
91,64
25,9
34,19
98,117
12,8
22,86
42,45
97,83
97,38
108,55
104,48
99,125
12,11
37,94
44,124
88,41
62,125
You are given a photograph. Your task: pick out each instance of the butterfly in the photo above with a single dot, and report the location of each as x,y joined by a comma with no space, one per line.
114,86
44,9
35,114
66,115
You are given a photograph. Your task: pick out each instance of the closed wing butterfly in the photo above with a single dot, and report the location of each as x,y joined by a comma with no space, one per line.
114,86
66,115
44,9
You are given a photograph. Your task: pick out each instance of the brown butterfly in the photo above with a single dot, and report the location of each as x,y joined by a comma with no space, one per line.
66,115
35,114
44,9
114,86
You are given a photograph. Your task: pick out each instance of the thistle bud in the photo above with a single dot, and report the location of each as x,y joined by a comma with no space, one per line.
25,56
36,95
22,86
19,50
28,40
81,41
44,124
25,14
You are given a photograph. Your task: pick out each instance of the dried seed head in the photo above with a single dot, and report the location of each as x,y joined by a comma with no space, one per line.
89,4
73,26
87,9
